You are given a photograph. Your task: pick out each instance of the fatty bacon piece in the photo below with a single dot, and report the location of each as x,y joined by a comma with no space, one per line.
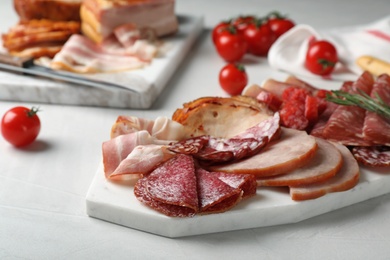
82,55
161,128
345,125
346,178
324,165
376,128
171,188
117,149
246,144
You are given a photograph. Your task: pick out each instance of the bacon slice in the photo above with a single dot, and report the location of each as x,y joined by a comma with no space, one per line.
215,196
345,125
376,128
346,178
293,150
324,165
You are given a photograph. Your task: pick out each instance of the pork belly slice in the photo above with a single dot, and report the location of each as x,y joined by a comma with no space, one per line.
324,165
293,150
346,178
100,17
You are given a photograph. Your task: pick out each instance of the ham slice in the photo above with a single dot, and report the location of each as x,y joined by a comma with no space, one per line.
376,128
294,149
346,178
324,165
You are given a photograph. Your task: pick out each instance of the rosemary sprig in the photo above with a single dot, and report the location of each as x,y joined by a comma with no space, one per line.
362,100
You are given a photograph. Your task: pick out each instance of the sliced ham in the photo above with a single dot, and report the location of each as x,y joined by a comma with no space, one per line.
377,128
324,165
346,178
294,149
345,125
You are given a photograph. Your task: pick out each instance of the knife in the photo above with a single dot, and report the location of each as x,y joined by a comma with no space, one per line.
27,66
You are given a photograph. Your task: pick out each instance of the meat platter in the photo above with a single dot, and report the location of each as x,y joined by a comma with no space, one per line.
146,83
117,204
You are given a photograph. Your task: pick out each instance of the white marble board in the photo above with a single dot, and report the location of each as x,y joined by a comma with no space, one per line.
147,82
116,203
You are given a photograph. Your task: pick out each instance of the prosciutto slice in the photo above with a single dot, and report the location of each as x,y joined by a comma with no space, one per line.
376,128
345,125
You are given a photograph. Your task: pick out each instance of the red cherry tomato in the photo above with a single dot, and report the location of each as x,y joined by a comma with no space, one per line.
242,22
20,125
218,29
233,78
230,45
279,24
259,37
321,57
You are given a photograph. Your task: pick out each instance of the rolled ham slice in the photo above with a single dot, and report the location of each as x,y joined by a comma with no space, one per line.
293,150
346,178
324,165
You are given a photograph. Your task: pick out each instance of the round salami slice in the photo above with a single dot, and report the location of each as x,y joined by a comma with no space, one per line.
374,156
215,196
171,186
246,182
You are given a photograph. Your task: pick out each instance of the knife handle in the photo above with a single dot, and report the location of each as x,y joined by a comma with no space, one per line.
21,62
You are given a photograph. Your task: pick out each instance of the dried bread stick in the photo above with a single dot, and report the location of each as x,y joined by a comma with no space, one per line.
373,65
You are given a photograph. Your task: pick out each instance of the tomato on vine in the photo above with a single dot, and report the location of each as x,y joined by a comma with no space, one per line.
321,57
279,24
219,28
20,126
233,78
259,37
230,45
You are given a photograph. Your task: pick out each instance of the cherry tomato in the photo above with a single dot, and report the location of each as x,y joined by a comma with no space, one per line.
20,125
218,29
230,45
279,24
321,57
233,78
242,22
259,37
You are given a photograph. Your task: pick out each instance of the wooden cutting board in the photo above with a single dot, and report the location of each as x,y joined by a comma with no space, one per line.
148,82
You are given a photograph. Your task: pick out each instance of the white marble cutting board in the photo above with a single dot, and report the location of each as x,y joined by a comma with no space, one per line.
116,203
148,82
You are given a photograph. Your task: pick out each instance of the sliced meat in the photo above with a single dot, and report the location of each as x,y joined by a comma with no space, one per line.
171,188
374,156
345,125
301,84
215,196
324,165
293,150
246,182
346,178
376,128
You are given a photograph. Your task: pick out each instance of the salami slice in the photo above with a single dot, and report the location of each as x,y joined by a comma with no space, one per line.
246,182
374,156
215,196
171,186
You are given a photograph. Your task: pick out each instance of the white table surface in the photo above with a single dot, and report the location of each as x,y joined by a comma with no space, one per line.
43,187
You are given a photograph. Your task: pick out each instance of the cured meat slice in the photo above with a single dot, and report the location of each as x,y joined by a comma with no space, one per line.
346,178
171,188
376,128
246,182
293,150
221,117
374,156
324,165
117,149
345,125
215,196
142,160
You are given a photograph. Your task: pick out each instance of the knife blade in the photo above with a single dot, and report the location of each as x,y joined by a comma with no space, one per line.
27,66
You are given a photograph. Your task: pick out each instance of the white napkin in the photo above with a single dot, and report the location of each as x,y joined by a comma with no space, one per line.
289,51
